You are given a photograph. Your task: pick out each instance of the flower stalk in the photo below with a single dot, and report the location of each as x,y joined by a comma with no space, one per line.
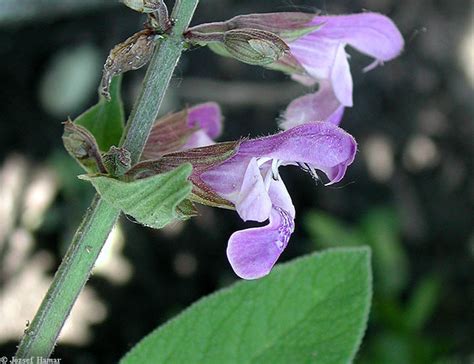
41,335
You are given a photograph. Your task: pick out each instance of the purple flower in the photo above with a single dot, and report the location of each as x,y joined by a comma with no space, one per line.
206,119
317,52
243,175
251,182
322,52
195,127
319,106
322,55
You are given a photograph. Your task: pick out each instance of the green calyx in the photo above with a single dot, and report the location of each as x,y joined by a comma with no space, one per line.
255,47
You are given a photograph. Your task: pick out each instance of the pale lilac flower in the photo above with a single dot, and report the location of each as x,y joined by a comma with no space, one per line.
319,106
243,175
317,50
206,119
322,52
251,182
195,127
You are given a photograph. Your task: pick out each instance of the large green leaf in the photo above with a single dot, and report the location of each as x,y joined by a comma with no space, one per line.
105,120
151,201
312,310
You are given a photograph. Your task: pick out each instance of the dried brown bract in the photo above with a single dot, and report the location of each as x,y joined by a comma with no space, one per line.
132,54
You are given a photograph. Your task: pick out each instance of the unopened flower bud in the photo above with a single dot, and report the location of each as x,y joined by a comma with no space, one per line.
168,134
132,54
256,47
81,145
117,161
143,6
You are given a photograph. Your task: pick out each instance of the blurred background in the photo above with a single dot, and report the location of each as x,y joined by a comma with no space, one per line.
409,194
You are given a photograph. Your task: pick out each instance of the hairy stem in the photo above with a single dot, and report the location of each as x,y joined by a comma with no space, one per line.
75,269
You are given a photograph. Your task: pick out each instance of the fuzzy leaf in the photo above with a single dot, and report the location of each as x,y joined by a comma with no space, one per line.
105,120
312,310
152,201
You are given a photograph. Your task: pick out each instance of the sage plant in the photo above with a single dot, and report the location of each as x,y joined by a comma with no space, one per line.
158,170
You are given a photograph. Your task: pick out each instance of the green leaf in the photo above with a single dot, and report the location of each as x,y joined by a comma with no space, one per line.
105,120
151,201
312,310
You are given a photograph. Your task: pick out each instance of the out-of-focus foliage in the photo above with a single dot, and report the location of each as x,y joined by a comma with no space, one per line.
380,230
14,12
79,66
400,313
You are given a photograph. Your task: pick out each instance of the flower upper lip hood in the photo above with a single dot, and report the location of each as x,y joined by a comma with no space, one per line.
370,33
320,145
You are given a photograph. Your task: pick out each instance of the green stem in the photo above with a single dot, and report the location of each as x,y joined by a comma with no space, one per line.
41,335
75,269
165,59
